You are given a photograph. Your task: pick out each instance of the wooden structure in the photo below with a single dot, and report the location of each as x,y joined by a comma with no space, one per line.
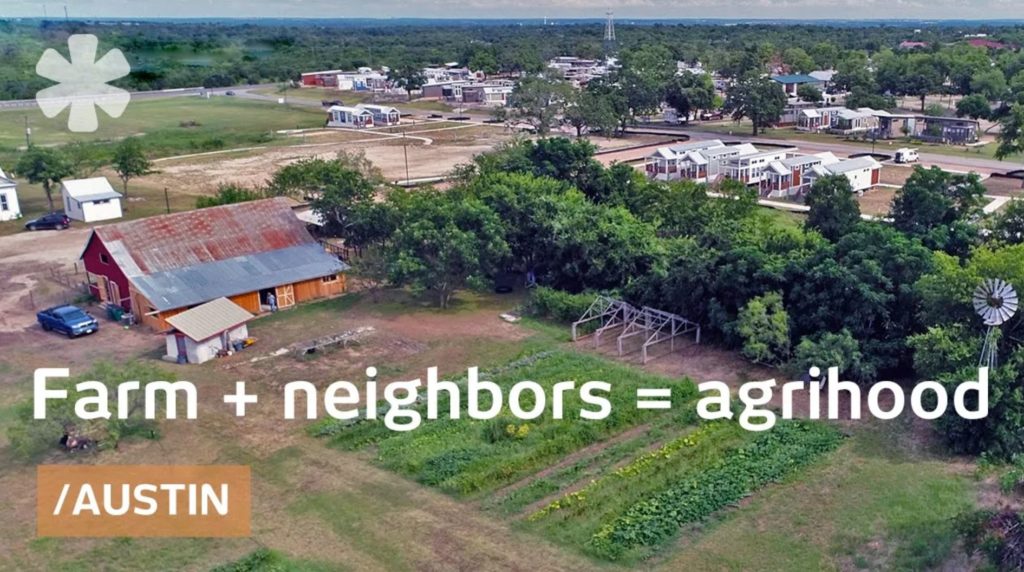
162,266
654,325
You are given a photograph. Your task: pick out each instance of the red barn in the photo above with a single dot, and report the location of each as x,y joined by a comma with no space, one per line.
326,78
161,266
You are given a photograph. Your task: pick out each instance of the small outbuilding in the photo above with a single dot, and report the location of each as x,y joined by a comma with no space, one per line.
201,333
90,200
9,208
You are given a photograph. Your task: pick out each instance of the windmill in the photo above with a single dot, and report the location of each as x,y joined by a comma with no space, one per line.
995,301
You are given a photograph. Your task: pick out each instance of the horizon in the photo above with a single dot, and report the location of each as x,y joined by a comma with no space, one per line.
525,10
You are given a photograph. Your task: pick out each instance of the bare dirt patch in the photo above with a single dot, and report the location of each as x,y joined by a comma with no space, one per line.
877,201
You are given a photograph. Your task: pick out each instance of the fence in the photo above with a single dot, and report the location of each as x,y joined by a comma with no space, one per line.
59,286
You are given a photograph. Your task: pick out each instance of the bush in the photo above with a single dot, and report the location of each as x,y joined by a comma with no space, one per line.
557,304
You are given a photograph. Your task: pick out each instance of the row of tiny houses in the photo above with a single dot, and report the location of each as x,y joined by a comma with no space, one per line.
363,115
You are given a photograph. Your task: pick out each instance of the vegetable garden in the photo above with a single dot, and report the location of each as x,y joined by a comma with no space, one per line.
616,489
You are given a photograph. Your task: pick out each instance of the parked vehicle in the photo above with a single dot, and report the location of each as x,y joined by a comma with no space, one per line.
712,116
906,155
55,221
69,320
229,92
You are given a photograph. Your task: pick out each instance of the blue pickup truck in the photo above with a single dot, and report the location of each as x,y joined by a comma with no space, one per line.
69,320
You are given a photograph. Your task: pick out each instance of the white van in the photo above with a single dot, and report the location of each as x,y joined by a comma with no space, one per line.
906,155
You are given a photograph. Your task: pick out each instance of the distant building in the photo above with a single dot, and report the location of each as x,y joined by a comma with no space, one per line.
912,45
9,207
90,200
382,114
791,83
161,266
345,116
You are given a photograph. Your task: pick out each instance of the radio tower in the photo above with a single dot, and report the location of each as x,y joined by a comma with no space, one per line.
609,33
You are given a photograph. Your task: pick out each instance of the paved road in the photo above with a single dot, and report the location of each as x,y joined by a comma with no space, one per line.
953,162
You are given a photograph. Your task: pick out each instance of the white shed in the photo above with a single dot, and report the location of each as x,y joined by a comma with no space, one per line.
200,333
90,200
9,207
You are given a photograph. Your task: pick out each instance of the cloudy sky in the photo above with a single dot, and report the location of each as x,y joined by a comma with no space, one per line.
624,9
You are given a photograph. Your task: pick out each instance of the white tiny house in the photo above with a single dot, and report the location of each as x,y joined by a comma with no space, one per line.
9,207
90,200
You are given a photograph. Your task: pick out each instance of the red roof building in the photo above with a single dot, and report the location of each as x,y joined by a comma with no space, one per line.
160,266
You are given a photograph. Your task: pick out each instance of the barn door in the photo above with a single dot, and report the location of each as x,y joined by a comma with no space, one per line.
101,288
285,296
113,293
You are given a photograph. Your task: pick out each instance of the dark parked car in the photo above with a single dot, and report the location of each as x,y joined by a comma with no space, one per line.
229,92
69,320
57,221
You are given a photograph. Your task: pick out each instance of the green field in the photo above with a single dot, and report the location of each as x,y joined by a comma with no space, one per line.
169,126
616,489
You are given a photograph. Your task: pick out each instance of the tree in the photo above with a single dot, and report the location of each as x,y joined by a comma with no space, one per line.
809,93
130,162
798,60
1008,226
227,195
591,111
343,192
409,76
539,101
974,106
763,325
1011,134
690,93
840,350
834,208
45,166
939,207
760,99
484,61
991,84
448,240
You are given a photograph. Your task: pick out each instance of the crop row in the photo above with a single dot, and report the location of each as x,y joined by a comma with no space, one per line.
770,458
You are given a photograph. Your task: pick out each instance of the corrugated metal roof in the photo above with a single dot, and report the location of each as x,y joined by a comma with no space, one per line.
208,320
852,165
196,284
795,78
177,240
93,189
188,258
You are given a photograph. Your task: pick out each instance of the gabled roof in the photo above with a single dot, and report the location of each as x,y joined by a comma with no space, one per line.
94,189
5,181
378,108
795,78
347,109
209,319
188,258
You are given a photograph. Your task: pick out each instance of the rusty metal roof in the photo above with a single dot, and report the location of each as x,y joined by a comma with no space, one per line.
188,258
167,242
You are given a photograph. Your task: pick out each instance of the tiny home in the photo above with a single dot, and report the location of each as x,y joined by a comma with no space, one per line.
344,116
206,331
382,114
9,208
90,200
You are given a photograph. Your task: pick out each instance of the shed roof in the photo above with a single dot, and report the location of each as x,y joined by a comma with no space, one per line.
209,319
94,189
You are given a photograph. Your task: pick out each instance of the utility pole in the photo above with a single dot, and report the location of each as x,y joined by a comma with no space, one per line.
28,134
167,201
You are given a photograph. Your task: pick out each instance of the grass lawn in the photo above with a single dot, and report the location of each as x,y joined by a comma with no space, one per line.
165,125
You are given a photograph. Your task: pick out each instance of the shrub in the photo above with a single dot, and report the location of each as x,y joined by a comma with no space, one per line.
558,305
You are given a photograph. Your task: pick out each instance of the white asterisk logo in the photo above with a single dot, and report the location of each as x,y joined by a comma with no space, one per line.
82,83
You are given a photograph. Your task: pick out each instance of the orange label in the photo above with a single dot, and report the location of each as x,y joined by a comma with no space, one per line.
143,500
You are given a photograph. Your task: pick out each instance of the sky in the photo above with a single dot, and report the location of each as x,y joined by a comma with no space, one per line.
552,9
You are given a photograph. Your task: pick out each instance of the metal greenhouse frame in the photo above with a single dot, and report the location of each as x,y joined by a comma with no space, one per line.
611,312
658,326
